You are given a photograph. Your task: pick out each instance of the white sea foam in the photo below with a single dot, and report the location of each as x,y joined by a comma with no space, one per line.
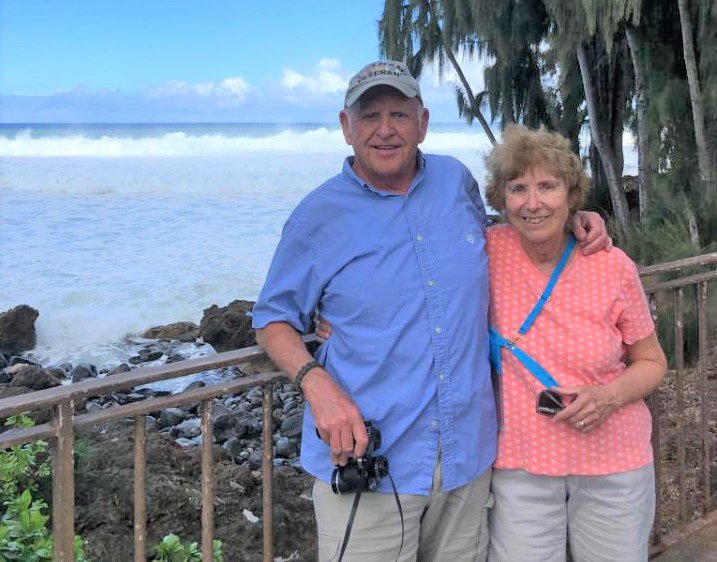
321,140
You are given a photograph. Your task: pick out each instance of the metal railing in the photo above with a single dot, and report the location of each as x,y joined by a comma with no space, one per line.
671,293
61,429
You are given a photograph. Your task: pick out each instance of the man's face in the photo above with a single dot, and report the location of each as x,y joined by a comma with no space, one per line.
385,134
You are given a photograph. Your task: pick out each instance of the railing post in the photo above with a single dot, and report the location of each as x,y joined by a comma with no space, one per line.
63,484
207,483
140,489
680,403
656,414
267,473
706,441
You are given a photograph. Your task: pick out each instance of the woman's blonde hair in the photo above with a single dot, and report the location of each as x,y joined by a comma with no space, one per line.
523,149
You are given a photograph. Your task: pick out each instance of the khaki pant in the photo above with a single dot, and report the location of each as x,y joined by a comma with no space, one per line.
442,527
607,518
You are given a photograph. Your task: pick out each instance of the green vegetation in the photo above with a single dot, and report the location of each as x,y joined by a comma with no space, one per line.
599,67
171,549
24,524
24,530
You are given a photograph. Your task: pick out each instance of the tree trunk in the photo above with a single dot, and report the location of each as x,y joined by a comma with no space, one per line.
698,115
602,140
469,93
461,76
644,160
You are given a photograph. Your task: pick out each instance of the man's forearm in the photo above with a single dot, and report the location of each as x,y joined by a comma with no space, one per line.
338,420
284,346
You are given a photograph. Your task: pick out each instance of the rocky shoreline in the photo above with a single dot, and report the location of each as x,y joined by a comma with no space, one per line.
236,420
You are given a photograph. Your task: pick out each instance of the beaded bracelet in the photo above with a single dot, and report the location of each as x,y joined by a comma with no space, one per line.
303,372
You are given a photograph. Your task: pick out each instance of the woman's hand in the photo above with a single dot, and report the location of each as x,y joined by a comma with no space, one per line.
323,329
589,408
592,405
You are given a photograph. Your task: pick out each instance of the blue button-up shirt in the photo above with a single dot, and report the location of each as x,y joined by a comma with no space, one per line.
403,279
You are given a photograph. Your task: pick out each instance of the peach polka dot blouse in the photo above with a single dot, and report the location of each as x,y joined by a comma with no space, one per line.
597,306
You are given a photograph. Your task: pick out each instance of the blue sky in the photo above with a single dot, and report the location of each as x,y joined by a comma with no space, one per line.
187,61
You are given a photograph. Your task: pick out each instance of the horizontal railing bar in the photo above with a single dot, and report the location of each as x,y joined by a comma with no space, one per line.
13,437
704,259
142,407
162,402
145,375
681,282
683,532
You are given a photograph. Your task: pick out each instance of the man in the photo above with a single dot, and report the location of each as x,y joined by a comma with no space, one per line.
391,252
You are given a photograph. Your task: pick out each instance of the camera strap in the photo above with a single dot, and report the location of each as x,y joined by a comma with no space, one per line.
352,515
498,342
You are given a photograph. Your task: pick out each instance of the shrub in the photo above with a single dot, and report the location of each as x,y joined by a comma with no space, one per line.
171,549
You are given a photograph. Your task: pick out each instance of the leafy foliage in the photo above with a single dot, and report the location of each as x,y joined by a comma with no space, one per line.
172,549
24,466
24,532
632,77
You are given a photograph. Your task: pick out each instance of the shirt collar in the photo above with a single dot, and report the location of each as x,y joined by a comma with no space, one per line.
420,171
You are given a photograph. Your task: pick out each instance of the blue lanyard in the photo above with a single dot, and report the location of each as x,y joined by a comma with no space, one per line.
497,342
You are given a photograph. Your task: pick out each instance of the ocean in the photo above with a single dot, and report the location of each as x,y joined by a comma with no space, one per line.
108,230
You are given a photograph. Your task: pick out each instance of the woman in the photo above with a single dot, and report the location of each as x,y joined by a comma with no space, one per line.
587,471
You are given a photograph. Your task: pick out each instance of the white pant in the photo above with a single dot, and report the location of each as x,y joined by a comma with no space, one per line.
607,518
441,527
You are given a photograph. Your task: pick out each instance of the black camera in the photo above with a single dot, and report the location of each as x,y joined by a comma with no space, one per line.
364,473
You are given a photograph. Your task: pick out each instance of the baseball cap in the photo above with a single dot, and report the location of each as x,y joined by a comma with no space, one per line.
382,73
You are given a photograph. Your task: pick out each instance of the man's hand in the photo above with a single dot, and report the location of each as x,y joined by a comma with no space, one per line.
338,420
590,407
590,231
323,329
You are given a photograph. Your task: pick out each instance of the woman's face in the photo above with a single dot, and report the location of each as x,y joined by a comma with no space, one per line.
537,205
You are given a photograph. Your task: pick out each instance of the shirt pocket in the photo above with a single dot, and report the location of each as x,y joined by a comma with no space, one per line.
461,245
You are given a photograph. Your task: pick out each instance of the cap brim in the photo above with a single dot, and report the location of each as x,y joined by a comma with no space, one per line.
353,97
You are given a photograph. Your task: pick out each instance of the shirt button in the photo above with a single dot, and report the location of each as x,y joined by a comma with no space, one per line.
434,423
470,238
437,329
431,282
441,376
419,237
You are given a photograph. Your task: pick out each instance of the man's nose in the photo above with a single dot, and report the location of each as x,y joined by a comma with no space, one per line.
385,128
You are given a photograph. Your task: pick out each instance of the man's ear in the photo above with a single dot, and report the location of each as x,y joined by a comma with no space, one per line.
424,114
345,121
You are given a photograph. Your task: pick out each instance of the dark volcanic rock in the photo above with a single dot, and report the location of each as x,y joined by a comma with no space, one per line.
33,377
145,357
182,331
228,327
121,368
83,371
17,328
291,426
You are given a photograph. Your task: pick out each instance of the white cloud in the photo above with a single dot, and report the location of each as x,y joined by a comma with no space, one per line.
234,89
325,78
